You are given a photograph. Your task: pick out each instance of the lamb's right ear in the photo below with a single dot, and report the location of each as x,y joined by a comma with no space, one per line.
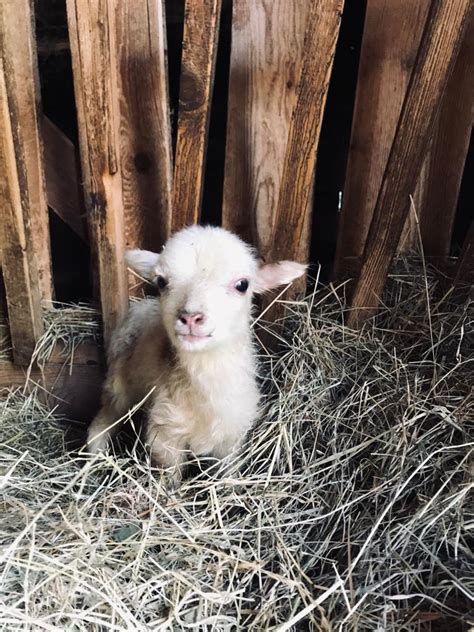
144,263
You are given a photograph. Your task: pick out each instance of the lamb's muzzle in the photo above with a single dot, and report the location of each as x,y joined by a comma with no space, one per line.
191,348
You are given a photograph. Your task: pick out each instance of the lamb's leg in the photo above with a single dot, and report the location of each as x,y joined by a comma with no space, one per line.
104,426
167,448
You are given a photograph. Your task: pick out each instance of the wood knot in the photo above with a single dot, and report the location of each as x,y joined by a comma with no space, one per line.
142,161
191,95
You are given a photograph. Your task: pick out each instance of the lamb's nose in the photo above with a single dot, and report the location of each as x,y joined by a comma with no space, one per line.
190,319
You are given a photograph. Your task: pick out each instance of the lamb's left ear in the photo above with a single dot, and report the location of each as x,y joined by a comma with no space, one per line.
144,263
272,275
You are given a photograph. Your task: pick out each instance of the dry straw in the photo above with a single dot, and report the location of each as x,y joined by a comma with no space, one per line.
348,509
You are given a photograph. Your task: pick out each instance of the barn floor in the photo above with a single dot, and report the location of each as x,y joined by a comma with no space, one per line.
347,510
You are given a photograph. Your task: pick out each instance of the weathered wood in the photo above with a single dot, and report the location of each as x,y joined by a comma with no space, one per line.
267,48
200,38
24,235
145,128
19,267
300,156
392,35
72,389
442,37
92,33
62,175
448,153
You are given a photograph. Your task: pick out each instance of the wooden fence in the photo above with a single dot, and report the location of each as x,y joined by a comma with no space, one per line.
412,121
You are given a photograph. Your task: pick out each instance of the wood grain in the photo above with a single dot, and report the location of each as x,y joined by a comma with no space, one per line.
440,44
289,236
18,50
145,129
20,273
448,153
200,38
266,53
92,33
63,177
392,35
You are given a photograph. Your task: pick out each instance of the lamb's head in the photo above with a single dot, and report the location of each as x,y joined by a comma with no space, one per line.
206,277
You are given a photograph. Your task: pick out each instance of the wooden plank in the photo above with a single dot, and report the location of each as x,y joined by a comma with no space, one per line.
392,35
18,50
62,175
24,238
200,38
291,217
438,50
267,48
145,128
92,34
72,389
448,153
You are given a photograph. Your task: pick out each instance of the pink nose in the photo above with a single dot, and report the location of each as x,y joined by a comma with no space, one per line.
196,318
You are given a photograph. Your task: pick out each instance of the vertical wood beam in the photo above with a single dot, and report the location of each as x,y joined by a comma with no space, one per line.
266,53
392,35
200,39
438,50
292,214
25,229
448,153
93,38
145,128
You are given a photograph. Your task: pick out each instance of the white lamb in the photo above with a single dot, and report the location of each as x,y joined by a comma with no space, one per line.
192,347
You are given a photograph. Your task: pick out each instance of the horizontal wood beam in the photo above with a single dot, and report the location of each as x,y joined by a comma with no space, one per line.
440,44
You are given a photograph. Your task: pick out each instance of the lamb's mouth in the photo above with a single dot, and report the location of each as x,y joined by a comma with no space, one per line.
193,337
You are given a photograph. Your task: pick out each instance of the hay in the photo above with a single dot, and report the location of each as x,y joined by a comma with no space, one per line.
347,509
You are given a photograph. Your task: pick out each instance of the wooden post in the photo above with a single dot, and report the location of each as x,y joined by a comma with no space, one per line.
24,226
392,35
145,128
200,38
92,35
438,50
267,48
291,217
448,153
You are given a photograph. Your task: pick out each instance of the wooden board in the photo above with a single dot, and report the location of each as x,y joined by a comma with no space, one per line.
290,236
448,153
200,38
93,37
18,49
144,121
440,44
392,35
63,177
20,272
267,48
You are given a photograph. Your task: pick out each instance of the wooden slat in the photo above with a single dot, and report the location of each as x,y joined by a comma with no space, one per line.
18,50
440,44
289,240
62,174
200,38
145,128
448,153
92,35
19,267
392,35
267,48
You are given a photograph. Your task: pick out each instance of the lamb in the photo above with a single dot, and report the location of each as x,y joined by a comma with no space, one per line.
191,349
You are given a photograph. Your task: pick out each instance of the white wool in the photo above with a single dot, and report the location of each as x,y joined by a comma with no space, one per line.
202,375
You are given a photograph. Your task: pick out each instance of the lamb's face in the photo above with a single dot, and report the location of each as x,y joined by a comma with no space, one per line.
206,277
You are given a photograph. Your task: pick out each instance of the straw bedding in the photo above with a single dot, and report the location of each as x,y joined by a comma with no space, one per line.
348,509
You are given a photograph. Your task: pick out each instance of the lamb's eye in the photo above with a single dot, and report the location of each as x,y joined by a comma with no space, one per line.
242,286
161,282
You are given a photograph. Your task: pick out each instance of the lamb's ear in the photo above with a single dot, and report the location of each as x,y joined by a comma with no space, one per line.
272,275
144,263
